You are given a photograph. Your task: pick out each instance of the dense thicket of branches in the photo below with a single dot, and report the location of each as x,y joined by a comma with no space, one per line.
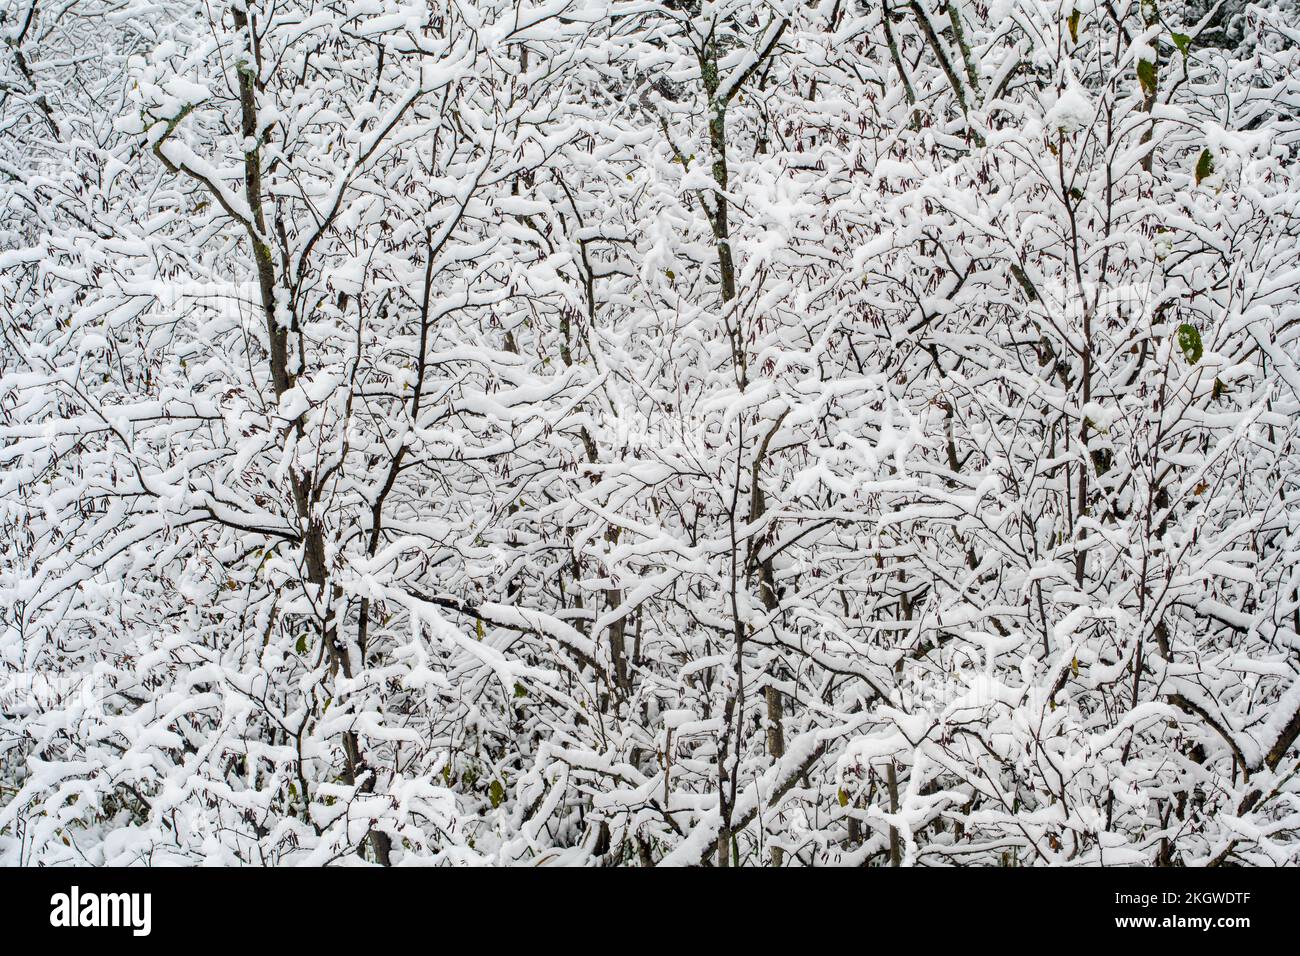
739,432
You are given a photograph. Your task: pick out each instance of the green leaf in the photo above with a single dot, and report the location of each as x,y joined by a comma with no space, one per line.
301,646
1074,26
519,691
1204,166
1147,76
1182,41
1189,340
496,793
843,797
